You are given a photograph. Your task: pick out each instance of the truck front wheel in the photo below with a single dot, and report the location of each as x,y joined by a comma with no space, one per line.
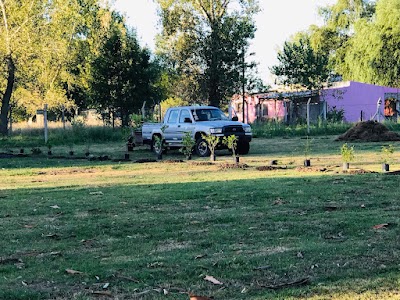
202,148
243,148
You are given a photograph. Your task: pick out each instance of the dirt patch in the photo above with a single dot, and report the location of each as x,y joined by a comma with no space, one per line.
270,168
172,161
359,171
145,160
369,131
202,163
66,172
225,166
310,169
393,173
11,155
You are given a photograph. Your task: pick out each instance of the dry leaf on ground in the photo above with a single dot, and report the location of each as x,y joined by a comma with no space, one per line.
194,297
213,280
381,226
73,272
96,193
106,285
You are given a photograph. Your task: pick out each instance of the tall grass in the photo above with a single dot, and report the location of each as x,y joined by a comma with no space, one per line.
73,134
275,129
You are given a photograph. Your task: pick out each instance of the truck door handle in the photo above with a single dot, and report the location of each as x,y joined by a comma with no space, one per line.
179,125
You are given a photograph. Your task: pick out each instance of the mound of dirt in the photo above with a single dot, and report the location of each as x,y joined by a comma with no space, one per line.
270,168
369,131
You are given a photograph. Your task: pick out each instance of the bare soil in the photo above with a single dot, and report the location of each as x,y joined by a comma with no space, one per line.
369,131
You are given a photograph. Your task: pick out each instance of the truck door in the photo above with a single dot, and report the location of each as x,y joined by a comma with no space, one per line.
183,126
170,133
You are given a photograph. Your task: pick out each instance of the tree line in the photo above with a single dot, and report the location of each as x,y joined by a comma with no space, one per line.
81,54
359,40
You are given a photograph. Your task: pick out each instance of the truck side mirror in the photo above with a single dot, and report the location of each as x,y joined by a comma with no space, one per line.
187,120
235,118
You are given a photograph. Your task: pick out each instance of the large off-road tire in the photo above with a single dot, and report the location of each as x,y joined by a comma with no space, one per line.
202,148
243,148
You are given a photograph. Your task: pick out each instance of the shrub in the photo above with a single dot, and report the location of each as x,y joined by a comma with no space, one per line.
347,153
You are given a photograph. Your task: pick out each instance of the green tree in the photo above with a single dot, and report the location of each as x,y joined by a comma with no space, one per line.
203,43
36,50
333,38
124,76
301,65
362,39
373,52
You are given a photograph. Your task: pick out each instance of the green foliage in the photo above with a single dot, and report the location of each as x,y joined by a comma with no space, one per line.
158,141
123,74
347,153
188,144
362,39
275,129
39,44
212,142
335,115
300,65
202,45
373,52
172,102
231,142
36,151
387,154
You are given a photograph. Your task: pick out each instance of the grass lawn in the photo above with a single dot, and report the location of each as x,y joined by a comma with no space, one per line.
127,230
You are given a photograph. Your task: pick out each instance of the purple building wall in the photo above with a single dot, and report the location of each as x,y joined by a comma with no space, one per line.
356,98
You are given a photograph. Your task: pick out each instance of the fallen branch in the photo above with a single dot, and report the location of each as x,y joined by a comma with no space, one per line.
102,293
300,282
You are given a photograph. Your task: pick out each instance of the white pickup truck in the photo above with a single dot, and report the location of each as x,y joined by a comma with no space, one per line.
198,120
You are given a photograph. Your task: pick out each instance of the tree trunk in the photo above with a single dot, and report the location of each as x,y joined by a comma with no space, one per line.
5,102
214,96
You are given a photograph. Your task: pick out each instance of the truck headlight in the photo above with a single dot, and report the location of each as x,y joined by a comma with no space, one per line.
247,129
215,130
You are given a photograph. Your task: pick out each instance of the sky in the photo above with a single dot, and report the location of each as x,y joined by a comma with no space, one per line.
277,21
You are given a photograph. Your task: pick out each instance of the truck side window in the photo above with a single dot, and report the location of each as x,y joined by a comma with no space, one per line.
184,114
173,116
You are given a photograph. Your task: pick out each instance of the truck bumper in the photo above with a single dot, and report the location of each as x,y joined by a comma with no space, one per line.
242,137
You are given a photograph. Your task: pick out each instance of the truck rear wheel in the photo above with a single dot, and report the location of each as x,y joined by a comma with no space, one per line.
243,148
202,148
156,147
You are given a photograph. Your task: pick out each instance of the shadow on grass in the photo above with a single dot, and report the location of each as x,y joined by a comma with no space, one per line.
246,233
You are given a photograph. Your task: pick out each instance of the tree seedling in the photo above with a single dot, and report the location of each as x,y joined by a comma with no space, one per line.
347,155
212,142
231,142
188,144
386,157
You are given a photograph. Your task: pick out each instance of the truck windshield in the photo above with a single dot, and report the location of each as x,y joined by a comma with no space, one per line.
208,114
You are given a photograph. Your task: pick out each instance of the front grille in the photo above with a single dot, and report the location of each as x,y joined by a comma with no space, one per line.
233,129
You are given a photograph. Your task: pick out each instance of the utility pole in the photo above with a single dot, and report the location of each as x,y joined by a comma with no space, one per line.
243,85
